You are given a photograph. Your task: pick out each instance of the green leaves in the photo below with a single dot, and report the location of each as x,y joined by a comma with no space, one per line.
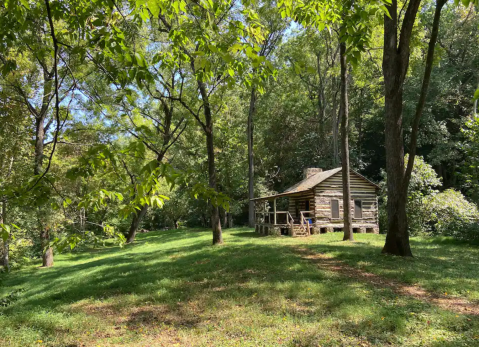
6,231
154,7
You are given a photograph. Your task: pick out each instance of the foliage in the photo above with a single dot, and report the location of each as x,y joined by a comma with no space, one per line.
434,212
450,214
422,186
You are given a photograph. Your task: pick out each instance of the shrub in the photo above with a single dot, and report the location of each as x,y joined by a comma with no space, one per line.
450,214
431,212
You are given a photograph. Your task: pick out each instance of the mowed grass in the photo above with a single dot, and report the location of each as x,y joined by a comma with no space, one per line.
172,288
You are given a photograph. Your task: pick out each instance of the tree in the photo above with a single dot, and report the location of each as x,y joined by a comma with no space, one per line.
397,47
344,111
275,28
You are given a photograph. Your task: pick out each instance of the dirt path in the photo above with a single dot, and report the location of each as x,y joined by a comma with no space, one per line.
325,262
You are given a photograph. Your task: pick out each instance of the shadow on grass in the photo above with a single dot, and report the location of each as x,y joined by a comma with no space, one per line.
193,284
438,266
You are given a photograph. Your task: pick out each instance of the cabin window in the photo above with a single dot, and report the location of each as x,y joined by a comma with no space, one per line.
358,209
335,208
306,205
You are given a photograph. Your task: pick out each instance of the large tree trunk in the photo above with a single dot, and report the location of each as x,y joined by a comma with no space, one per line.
397,239
395,66
344,109
250,128
135,223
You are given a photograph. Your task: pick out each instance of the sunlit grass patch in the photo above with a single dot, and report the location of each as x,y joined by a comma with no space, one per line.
173,287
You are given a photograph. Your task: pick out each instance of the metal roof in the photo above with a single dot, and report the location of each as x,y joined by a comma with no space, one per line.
309,183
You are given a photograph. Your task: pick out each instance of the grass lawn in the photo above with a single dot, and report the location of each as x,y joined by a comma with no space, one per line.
172,288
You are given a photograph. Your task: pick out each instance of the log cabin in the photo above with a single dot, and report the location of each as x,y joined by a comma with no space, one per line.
315,206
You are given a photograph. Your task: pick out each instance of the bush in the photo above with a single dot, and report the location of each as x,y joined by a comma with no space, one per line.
431,212
449,214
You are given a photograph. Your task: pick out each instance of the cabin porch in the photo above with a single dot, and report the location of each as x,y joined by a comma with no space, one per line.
271,221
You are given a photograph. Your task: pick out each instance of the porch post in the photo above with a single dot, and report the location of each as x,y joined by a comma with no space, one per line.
274,209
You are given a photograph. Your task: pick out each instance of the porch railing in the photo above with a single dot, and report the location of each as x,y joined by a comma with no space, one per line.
284,218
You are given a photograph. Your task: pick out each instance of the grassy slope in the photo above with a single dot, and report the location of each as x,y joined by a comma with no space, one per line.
174,288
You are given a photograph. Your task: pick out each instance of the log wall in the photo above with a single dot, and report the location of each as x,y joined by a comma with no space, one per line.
361,189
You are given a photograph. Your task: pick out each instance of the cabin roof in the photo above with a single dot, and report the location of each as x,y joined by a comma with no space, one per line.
311,182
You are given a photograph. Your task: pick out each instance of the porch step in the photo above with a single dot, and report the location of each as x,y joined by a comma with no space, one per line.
299,234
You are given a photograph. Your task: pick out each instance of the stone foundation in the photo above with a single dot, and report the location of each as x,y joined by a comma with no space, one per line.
275,231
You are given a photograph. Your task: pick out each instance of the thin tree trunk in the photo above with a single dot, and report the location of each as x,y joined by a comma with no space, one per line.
225,218
208,129
424,88
250,129
334,119
344,110
168,140
135,223
230,220
215,213
47,258
6,245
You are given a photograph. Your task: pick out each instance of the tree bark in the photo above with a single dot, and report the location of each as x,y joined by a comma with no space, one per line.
395,66
47,257
250,129
135,223
230,220
208,129
335,122
344,110
48,254
6,245
215,213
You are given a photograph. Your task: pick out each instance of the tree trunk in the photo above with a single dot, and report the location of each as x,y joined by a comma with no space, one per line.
250,129
215,212
48,251
135,223
344,110
226,220
230,220
37,170
208,129
395,66
6,246
335,122
175,222
397,239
